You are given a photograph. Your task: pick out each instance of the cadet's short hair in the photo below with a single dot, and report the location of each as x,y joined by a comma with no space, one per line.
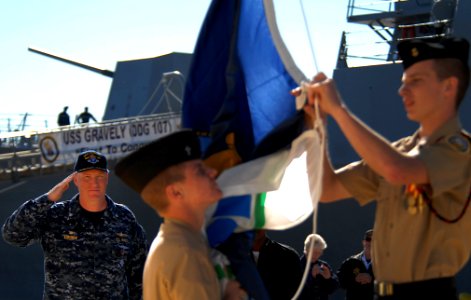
450,67
154,192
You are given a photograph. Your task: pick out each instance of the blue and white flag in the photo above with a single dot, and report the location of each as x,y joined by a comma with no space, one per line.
237,93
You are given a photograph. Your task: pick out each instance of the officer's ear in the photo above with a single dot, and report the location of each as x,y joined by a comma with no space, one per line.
76,179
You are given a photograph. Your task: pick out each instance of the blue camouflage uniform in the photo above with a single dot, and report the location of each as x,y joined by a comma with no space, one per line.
83,259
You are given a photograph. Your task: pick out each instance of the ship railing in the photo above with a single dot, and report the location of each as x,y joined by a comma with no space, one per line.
363,48
372,50
362,7
32,132
368,45
20,153
389,22
425,30
12,122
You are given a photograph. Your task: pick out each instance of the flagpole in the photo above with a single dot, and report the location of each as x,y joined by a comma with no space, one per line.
309,37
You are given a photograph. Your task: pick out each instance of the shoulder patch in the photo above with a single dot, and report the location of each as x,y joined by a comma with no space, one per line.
459,142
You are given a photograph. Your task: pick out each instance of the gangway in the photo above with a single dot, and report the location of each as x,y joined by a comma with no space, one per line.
56,149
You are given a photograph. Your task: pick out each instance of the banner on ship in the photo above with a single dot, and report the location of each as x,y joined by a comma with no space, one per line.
113,140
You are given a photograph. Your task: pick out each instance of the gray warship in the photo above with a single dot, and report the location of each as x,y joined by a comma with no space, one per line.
149,91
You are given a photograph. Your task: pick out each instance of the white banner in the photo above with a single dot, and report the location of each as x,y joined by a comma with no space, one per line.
114,140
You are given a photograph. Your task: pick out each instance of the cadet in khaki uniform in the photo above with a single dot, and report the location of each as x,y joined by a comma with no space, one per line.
171,177
421,183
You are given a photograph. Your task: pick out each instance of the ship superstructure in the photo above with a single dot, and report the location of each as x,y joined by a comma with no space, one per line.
368,75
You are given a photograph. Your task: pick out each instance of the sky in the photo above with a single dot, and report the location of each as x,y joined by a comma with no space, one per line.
102,32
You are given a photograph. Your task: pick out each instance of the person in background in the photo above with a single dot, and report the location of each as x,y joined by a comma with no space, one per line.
278,265
63,119
421,183
85,117
356,272
172,179
321,279
94,248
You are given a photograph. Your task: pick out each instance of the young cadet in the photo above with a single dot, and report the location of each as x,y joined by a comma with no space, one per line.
421,183
172,179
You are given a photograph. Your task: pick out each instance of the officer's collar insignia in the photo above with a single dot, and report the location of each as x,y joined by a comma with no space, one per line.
71,236
122,237
459,143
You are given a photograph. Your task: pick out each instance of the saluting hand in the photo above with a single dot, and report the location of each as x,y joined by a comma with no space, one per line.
58,190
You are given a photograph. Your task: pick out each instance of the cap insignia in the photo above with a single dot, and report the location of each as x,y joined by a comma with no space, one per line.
414,52
91,158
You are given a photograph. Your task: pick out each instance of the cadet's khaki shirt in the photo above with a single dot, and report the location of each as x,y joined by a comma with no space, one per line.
179,266
411,247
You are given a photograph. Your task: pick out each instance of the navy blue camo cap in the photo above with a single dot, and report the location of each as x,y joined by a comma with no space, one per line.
89,160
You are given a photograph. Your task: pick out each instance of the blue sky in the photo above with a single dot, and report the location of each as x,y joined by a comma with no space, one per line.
103,32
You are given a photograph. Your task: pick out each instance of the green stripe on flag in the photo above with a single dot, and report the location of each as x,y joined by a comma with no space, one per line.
219,271
259,212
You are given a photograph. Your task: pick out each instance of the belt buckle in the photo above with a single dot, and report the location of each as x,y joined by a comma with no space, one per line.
384,289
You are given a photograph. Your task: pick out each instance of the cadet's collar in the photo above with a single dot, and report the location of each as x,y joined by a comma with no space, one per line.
183,224
450,127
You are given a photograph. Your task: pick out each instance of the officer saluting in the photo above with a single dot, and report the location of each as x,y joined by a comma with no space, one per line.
94,248
421,183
